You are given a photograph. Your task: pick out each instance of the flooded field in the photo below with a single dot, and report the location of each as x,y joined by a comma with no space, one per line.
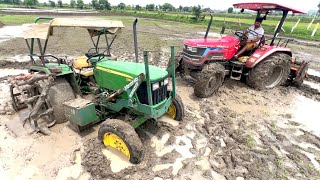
238,133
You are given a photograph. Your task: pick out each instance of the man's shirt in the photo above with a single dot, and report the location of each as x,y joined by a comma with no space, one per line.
254,33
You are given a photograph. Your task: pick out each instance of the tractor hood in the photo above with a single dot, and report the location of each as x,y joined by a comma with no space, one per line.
131,69
224,42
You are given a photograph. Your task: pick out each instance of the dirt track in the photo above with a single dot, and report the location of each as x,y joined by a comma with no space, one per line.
237,133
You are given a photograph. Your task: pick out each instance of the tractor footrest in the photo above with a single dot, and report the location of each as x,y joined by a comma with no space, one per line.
237,69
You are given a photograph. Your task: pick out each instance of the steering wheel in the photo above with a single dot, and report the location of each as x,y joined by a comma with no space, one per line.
239,34
100,55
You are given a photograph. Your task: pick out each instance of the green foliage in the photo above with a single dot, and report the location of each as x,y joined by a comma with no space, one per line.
104,4
60,3
121,6
52,3
80,4
72,3
230,10
94,4
150,7
167,7
138,7
196,11
30,3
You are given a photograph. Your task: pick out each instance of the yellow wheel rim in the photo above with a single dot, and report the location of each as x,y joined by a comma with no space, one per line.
110,139
172,111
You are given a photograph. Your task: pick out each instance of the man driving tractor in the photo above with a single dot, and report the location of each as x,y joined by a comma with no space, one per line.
254,34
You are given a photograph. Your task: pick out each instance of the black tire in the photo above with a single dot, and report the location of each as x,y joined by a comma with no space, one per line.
178,108
271,72
59,93
209,81
127,134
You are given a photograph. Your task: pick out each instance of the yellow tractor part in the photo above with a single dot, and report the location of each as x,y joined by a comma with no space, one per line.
81,63
111,139
244,59
172,111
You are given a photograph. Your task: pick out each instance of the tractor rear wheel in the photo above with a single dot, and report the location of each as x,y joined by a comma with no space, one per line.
209,80
121,136
176,109
271,72
59,93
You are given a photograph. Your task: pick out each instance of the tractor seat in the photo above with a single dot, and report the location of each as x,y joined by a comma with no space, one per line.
82,66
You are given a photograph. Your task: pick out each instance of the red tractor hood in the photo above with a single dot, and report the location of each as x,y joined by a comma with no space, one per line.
224,42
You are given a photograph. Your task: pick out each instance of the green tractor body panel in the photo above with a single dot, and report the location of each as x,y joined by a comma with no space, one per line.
114,75
65,69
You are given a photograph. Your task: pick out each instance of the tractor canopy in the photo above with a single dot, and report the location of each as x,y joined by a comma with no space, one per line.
44,30
264,7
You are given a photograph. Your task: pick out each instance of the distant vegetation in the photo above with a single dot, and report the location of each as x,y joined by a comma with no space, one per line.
230,18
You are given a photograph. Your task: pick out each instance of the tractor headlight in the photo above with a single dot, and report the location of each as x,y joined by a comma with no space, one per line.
192,49
166,81
155,86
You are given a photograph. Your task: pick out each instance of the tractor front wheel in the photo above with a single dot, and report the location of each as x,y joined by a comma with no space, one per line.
121,136
271,72
59,93
176,109
209,80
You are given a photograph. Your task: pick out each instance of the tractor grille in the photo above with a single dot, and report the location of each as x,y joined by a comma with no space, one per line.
199,52
158,95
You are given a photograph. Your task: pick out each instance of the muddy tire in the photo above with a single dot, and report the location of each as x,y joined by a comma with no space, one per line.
128,136
209,80
271,72
59,93
176,109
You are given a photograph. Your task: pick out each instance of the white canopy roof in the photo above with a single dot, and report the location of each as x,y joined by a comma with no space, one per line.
43,30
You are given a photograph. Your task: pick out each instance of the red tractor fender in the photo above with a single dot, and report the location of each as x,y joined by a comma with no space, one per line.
263,52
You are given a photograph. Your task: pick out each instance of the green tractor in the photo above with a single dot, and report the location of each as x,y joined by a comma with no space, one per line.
94,87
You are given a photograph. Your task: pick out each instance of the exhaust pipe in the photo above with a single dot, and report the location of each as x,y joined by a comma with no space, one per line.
135,41
208,28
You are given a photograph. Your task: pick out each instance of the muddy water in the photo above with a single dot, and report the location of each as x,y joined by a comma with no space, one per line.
9,32
307,113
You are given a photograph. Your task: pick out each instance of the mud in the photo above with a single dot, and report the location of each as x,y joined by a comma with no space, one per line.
239,133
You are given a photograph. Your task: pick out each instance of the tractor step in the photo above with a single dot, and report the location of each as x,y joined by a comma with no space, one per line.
237,69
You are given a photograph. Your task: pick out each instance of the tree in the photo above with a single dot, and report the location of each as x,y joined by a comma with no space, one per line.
60,3
104,4
52,3
230,10
80,4
186,9
121,6
196,11
95,4
150,7
167,7
138,7
180,8
30,3
16,1
72,3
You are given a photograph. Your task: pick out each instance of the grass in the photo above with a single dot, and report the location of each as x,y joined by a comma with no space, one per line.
16,19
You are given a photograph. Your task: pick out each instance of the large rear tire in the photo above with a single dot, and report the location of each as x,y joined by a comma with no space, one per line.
59,93
209,80
121,136
271,72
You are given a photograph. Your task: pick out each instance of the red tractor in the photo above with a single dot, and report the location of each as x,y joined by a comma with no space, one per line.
208,61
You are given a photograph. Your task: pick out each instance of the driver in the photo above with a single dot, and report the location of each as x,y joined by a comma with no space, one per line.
255,33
